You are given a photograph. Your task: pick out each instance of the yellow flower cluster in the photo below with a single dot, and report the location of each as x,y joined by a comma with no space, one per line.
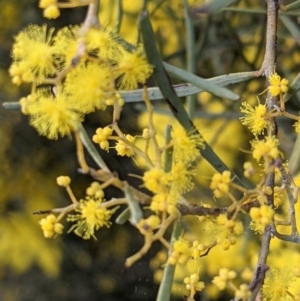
193,284
266,149
101,137
186,146
123,148
146,226
243,293
197,249
156,180
87,86
29,65
168,186
220,183
228,231
262,216
180,252
164,202
222,279
255,118
181,177
277,85
91,217
132,68
96,190
53,116
50,226
263,194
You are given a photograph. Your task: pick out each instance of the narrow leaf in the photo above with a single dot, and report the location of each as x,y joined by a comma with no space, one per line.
213,7
123,217
161,77
291,26
201,82
293,89
164,292
136,212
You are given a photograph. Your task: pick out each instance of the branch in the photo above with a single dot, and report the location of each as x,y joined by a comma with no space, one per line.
269,61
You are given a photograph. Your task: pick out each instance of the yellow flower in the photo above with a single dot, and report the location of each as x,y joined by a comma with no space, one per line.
197,248
180,252
103,43
164,202
66,45
86,86
156,180
224,276
50,226
132,68
51,12
46,3
146,226
52,116
101,137
193,284
255,118
226,231
33,54
243,293
277,284
265,149
181,176
92,216
63,181
220,183
262,215
24,103
277,85
123,149
186,146
257,228
95,189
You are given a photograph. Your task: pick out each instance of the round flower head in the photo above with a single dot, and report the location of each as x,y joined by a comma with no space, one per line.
132,68
255,118
186,146
52,116
86,86
265,149
34,53
91,216
276,284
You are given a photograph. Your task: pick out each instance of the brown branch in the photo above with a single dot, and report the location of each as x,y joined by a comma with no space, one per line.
193,209
261,266
103,176
267,69
269,61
